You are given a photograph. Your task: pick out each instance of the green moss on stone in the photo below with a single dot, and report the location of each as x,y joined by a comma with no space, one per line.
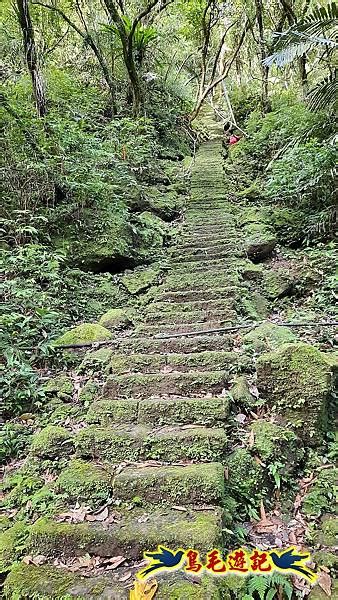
52,442
87,332
328,532
110,444
240,392
268,336
273,442
85,483
317,593
192,484
201,411
115,318
246,482
277,283
113,411
204,589
88,393
197,444
61,386
298,378
140,280
96,361
260,240
12,545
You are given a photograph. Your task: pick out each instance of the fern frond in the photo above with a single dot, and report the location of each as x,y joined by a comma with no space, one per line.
324,94
260,585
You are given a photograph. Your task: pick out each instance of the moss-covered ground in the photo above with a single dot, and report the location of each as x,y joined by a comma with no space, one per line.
202,441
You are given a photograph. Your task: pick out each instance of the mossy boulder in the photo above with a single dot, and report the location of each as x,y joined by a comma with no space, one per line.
96,361
11,544
140,280
297,380
152,234
60,386
115,319
328,532
88,393
259,241
254,306
320,497
87,332
268,336
278,283
52,442
201,589
85,482
166,204
276,444
240,392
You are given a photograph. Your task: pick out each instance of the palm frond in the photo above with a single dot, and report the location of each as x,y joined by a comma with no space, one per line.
324,94
317,29
293,44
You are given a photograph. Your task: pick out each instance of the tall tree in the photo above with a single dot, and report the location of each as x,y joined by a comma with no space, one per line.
31,56
263,55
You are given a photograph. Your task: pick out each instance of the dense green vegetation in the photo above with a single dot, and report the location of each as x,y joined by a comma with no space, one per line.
103,106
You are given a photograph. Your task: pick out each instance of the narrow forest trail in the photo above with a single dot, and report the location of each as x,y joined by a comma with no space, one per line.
162,418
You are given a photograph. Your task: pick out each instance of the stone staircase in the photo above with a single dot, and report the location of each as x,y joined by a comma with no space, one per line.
162,417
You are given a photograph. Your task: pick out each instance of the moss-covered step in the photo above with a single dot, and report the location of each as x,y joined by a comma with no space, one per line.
181,317
47,582
206,254
130,536
219,250
180,344
113,444
191,306
171,444
213,264
163,384
228,293
113,411
297,380
200,281
183,411
182,328
221,241
135,442
86,483
180,411
190,484
152,363
52,441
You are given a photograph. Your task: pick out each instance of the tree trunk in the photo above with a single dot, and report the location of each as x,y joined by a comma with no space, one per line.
263,53
32,57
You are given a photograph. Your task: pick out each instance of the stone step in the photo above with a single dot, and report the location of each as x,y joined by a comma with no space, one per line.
130,536
213,239
213,264
157,412
200,281
194,484
165,384
181,329
205,254
202,361
169,318
32,582
191,306
180,344
133,443
209,294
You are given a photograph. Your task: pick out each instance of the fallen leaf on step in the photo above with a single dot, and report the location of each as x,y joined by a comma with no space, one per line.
181,508
254,391
101,516
125,577
324,581
144,590
240,418
116,561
